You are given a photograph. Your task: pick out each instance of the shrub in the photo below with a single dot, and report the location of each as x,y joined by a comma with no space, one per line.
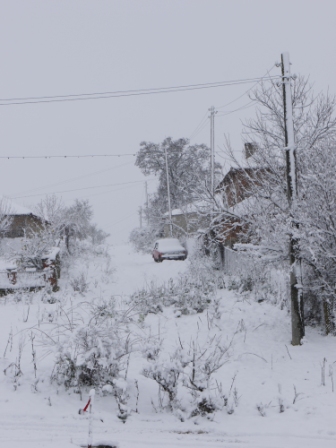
93,354
80,283
191,292
142,239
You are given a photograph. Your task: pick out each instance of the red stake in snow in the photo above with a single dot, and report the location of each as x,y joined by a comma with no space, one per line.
89,405
81,411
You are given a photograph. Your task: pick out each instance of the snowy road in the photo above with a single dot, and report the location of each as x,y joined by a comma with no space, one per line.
134,270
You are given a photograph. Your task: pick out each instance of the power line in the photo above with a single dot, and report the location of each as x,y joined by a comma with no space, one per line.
238,98
79,189
120,220
204,118
108,191
77,178
67,156
203,123
201,128
245,106
124,93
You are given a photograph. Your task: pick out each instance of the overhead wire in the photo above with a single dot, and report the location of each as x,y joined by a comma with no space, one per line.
120,220
78,189
248,90
109,191
123,93
200,126
68,156
77,178
245,106
205,117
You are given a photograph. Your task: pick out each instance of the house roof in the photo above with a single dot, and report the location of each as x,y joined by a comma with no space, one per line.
190,208
11,208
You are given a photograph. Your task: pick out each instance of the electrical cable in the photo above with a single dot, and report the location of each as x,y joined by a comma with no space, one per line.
248,90
67,157
77,178
120,220
78,189
201,128
124,93
245,106
199,124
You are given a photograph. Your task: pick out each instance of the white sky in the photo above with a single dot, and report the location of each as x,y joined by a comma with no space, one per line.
68,47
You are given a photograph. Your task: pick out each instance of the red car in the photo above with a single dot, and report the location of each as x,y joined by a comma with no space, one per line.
169,249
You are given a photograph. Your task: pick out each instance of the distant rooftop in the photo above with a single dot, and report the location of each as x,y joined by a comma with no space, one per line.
11,208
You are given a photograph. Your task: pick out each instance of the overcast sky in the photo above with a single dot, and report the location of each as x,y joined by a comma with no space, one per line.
73,47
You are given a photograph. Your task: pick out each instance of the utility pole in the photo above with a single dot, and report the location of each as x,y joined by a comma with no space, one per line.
212,149
140,216
168,192
147,204
295,262
146,192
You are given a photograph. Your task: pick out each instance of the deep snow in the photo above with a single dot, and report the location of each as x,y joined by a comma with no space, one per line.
266,366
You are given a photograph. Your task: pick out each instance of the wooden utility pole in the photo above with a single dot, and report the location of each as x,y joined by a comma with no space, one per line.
168,192
140,217
212,148
291,173
147,202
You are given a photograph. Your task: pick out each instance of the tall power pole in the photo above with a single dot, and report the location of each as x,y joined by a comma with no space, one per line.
140,217
147,204
168,192
295,274
212,148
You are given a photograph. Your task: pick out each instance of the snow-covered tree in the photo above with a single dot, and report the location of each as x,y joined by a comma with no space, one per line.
188,170
266,218
5,217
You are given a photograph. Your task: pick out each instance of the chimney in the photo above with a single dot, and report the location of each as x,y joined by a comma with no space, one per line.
249,149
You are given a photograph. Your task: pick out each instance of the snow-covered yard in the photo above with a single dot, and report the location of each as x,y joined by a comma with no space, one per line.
262,374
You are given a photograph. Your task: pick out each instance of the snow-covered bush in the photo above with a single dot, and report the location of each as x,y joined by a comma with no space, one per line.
199,364
188,368
260,279
93,354
89,359
79,283
142,239
166,373
191,292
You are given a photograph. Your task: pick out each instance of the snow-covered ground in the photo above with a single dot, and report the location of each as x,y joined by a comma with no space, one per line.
262,366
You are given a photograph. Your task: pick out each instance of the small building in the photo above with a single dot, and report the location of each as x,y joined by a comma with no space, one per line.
187,221
21,221
18,225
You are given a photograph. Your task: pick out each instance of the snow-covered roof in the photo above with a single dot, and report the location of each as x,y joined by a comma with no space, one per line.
12,208
7,264
243,207
189,208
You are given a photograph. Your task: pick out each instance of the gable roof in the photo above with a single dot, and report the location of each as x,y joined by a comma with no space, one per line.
13,209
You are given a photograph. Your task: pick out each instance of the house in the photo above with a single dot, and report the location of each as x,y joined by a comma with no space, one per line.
187,220
18,225
236,192
18,220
